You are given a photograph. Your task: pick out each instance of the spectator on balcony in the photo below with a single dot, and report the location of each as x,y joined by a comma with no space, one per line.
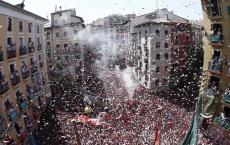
227,95
24,67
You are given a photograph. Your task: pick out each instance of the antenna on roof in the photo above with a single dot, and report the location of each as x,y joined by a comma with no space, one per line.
157,4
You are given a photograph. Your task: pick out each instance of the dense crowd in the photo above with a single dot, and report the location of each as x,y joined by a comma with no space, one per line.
133,119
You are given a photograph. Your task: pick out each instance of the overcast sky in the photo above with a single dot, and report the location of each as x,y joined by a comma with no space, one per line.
92,9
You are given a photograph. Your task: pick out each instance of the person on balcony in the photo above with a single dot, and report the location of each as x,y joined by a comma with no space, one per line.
227,95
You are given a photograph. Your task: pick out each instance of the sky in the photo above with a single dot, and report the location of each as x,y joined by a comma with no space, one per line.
90,10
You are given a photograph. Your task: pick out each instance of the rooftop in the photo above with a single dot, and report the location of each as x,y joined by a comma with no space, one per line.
158,16
20,10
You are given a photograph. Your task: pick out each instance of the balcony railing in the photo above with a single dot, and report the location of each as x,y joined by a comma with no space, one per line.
25,73
11,52
227,96
4,87
39,46
15,78
12,114
217,39
30,93
1,56
23,50
222,122
31,96
215,65
34,69
41,64
23,105
31,48
213,10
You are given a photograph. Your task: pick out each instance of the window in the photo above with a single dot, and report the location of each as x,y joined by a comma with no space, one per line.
9,24
30,40
75,31
157,82
166,56
158,56
60,14
65,45
165,81
166,32
21,42
38,40
38,29
40,57
20,26
228,10
9,41
65,34
158,45
57,34
47,34
166,45
48,44
12,68
30,27
158,69
158,32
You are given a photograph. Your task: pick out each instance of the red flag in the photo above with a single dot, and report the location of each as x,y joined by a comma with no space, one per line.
157,140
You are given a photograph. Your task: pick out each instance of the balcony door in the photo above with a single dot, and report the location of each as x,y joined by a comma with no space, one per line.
12,68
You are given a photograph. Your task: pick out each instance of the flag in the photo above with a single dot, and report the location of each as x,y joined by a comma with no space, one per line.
157,140
192,135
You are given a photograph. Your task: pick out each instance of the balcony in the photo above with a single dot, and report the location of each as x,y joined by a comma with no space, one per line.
4,87
31,48
34,69
211,7
227,96
217,40
22,50
21,102
41,64
1,55
222,122
215,66
31,96
39,46
30,93
11,52
12,114
25,72
15,78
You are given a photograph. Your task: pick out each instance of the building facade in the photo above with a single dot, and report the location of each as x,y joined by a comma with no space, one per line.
23,73
152,44
215,94
61,36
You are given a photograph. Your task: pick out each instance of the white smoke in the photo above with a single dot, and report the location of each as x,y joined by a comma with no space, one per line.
109,49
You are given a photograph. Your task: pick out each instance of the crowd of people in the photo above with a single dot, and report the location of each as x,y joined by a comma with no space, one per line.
133,120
